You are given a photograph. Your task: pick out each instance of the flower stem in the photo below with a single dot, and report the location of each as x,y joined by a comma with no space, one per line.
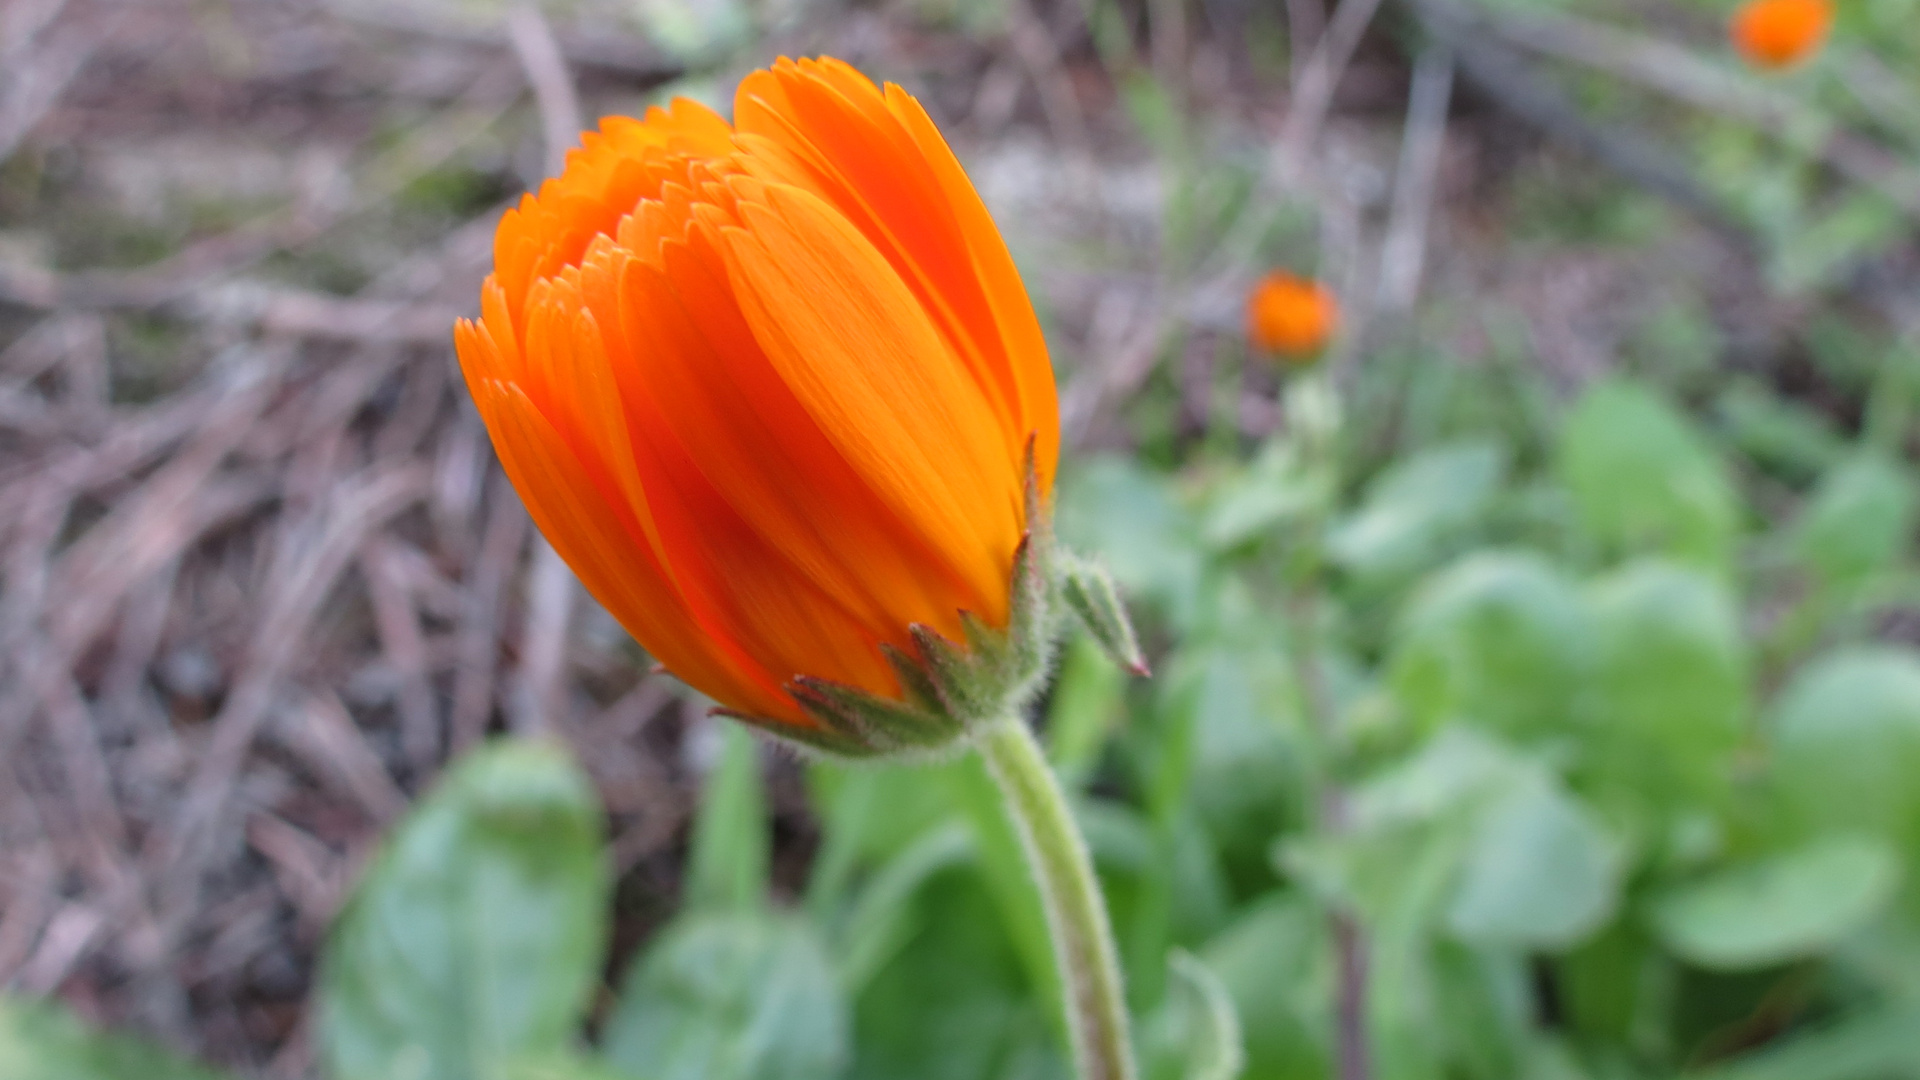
1076,912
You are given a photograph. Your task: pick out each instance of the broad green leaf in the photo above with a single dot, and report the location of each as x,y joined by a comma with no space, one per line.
1822,248
571,1066
1088,702
1541,872
1002,864
881,919
1485,1007
727,870
1782,908
740,995
1416,508
1500,639
868,816
1216,1048
1878,1045
1275,964
1846,742
1114,509
1617,988
1195,1035
1454,767
1643,479
1473,834
475,937
41,1040
1275,489
1781,434
1223,743
1672,683
956,1002
1860,520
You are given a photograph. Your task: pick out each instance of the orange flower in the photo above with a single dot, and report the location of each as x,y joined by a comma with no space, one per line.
769,387
1291,317
1780,33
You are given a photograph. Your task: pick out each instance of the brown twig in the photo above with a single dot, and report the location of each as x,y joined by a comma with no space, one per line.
1314,87
1403,254
546,69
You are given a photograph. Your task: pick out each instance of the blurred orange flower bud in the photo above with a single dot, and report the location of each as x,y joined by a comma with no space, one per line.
774,391
1293,318
1780,33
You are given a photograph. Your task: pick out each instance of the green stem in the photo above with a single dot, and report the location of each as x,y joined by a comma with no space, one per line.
1076,912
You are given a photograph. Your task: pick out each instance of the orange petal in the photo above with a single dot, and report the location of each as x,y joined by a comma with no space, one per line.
826,128
622,575
689,350
863,359
1038,400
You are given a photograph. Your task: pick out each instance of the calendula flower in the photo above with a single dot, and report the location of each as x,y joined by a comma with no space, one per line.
775,392
1292,318
1780,33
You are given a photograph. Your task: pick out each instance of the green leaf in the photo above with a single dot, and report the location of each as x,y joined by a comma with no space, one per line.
881,919
955,1003
1672,683
1782,908
1782,434
1499,639
727,869
1215,1048
1414,509
1846,734
1274,490
1540,873
1113,508
1643,479
1002,863
1224,739
868,816
1087,704
1275,964
1090,594
731,996
1195,1034
1453,766
476,936
569,1066
41,1040
1860,520
1878,1045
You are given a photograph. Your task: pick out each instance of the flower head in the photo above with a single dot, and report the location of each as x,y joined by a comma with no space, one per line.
1290,317
1776,34
773,389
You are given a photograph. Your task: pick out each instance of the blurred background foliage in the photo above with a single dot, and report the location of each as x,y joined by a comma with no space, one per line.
1536,690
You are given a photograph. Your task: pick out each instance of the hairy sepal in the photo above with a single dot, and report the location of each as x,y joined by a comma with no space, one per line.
1090,594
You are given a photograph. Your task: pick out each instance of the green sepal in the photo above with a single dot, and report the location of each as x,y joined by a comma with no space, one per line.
1090,593
964,679
833,738
914,681
886,724
1030,629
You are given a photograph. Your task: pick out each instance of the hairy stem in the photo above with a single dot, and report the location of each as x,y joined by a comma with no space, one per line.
1076,912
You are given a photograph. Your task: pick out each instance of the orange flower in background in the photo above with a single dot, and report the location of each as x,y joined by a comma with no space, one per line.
1780,33
1291,317
768,387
